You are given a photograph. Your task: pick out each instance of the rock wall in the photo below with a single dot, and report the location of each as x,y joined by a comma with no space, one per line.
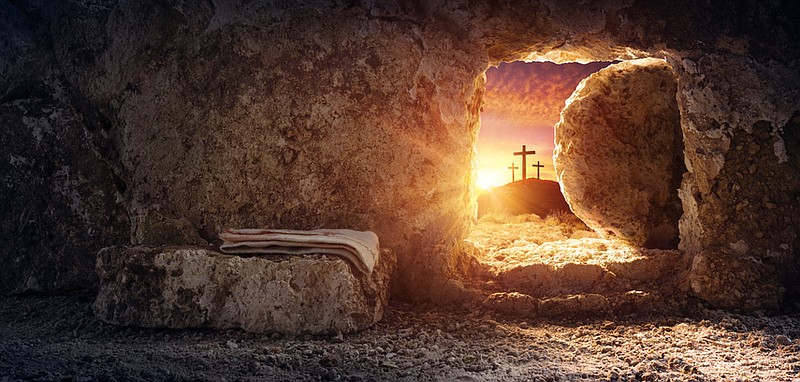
740,197
257,115
60,198
364,114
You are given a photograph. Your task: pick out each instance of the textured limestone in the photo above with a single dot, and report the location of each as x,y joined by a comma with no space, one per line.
740,198
587,305
590,265
581,305
60,202
192,287
511,303
619,155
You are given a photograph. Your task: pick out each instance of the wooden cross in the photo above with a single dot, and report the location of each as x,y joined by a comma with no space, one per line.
538,166
512,168
524,154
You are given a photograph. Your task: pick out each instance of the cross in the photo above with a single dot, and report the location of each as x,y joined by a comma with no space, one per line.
524,154
538,166
512,168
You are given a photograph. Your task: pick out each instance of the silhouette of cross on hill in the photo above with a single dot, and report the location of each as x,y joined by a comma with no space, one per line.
538,166
512,168
524,154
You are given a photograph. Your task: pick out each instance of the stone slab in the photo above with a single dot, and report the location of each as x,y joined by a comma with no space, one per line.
183,287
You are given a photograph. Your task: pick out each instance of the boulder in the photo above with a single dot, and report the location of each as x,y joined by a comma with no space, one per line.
619,153
182,287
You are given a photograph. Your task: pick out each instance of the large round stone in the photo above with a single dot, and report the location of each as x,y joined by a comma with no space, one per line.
619,153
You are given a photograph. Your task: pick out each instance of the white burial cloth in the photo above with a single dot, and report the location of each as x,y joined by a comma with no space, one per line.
358,247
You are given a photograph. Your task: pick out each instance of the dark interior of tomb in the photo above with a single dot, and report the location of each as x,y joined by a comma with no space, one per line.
259,190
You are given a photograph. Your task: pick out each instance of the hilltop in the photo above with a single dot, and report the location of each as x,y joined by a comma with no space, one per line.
530,196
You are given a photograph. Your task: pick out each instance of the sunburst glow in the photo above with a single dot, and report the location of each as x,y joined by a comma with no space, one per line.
488,179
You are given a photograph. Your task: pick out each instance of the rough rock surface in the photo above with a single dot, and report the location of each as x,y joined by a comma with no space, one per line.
534,269
741,197
193,287
60,201
619,155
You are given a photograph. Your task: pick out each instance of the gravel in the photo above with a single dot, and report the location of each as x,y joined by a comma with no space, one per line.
57,338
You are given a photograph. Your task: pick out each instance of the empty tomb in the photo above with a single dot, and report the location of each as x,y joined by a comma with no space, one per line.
205,116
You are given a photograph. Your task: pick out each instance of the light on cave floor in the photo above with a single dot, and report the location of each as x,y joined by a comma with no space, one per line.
505,242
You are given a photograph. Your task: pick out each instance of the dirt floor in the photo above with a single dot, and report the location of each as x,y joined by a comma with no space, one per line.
57,338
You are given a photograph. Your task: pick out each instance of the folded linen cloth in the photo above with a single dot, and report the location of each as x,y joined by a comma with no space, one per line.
358,247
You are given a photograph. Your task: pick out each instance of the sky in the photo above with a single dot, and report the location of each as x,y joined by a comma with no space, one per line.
522,104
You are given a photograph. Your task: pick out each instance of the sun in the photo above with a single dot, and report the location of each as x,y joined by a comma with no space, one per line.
487,180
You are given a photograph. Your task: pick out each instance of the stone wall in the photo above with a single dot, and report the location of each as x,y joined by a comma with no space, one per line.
364,115
740,197
60,198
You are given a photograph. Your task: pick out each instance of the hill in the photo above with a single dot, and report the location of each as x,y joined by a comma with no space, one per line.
530,196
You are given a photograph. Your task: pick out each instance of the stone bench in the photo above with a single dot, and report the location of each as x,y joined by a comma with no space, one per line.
191,287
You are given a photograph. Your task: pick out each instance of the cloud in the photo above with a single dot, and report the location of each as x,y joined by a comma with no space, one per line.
533,92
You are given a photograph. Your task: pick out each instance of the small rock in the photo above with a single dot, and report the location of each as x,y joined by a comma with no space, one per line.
329,360
511,303
783,340
232,345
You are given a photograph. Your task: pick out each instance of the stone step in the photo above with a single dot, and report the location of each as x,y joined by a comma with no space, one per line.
542,280
585,266
580,278
183,287
587,305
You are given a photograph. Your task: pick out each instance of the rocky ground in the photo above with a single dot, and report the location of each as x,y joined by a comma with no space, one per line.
503,242
57,338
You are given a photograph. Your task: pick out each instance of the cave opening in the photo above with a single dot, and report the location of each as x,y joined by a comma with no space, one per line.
515,175
565,229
